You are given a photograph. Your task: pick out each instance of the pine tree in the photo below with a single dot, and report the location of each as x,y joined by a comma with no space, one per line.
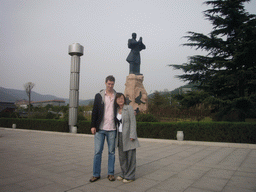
228,71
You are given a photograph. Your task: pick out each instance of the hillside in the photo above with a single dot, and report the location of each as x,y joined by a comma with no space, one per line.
192,86
12,95
176,91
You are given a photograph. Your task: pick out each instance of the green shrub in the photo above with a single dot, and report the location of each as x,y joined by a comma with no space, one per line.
204,131
84,127
50,115
146,117
36,124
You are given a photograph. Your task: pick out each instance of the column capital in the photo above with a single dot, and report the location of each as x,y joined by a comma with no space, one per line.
76,49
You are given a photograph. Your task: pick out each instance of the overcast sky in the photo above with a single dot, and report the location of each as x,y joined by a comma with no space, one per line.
35,35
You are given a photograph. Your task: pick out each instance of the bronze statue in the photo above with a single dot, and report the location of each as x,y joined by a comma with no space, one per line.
134,56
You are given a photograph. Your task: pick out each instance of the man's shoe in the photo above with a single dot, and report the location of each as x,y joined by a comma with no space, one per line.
119,178
93,179
127,181
111,178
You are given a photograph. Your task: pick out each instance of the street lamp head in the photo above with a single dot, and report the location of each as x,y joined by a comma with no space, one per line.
76,49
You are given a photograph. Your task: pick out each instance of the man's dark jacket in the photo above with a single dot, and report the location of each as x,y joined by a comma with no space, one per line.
98,109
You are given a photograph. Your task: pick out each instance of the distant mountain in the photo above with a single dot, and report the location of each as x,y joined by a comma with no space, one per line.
176,91
12,95
192,86
7,96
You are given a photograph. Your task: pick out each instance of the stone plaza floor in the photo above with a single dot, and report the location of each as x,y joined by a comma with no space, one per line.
52,162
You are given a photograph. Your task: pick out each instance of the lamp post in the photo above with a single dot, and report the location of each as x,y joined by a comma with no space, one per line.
75,50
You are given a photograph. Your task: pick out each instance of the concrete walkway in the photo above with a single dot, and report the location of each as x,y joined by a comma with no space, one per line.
51,162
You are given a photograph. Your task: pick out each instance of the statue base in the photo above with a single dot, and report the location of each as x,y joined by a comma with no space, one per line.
135,93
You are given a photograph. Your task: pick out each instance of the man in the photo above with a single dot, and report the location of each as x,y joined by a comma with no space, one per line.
134,56
103,126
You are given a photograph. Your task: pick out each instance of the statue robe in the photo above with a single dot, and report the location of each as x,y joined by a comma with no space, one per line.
134,55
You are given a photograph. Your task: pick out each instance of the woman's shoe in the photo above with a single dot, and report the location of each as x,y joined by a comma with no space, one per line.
119,178
127,181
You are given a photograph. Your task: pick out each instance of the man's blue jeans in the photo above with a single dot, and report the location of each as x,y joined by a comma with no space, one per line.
99,140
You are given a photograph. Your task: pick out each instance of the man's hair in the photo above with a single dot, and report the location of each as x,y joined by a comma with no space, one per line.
110,78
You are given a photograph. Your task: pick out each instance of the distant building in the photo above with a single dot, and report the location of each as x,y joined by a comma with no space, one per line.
22,103
48,102
184,90
7,107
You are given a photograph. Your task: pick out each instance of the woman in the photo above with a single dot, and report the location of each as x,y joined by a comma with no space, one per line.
126,139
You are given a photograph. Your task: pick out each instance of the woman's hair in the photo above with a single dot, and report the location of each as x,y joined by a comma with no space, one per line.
118,95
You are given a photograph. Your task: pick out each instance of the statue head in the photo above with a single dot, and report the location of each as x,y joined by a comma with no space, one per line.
134,35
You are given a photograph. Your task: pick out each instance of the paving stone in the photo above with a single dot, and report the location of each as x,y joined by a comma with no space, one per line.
247,169
220,173
176,167
34,183
11,188
156,190
141,184
193,174
210,183
175,184
51,188
15,179
236,189
96,187
160,175
193,189
243,182
245,174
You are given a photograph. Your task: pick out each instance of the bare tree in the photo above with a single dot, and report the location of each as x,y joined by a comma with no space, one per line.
28,87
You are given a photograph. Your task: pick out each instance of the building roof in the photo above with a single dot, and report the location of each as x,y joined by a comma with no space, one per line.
47,101
7,105
22,102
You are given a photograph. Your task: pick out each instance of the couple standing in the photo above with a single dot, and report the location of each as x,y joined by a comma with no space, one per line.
114,120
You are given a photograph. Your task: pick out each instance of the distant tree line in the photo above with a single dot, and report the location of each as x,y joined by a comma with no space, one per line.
49,112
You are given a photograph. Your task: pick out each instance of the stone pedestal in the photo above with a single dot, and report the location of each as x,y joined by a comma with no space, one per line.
135,93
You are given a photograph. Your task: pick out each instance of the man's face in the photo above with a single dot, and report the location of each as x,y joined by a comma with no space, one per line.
110,85
134,35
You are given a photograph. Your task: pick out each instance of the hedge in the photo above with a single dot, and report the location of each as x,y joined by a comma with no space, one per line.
36,124
193,131
212,131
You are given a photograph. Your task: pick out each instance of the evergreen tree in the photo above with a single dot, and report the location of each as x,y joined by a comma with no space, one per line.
228,71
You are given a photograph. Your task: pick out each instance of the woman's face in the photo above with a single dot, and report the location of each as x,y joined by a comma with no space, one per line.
120,100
